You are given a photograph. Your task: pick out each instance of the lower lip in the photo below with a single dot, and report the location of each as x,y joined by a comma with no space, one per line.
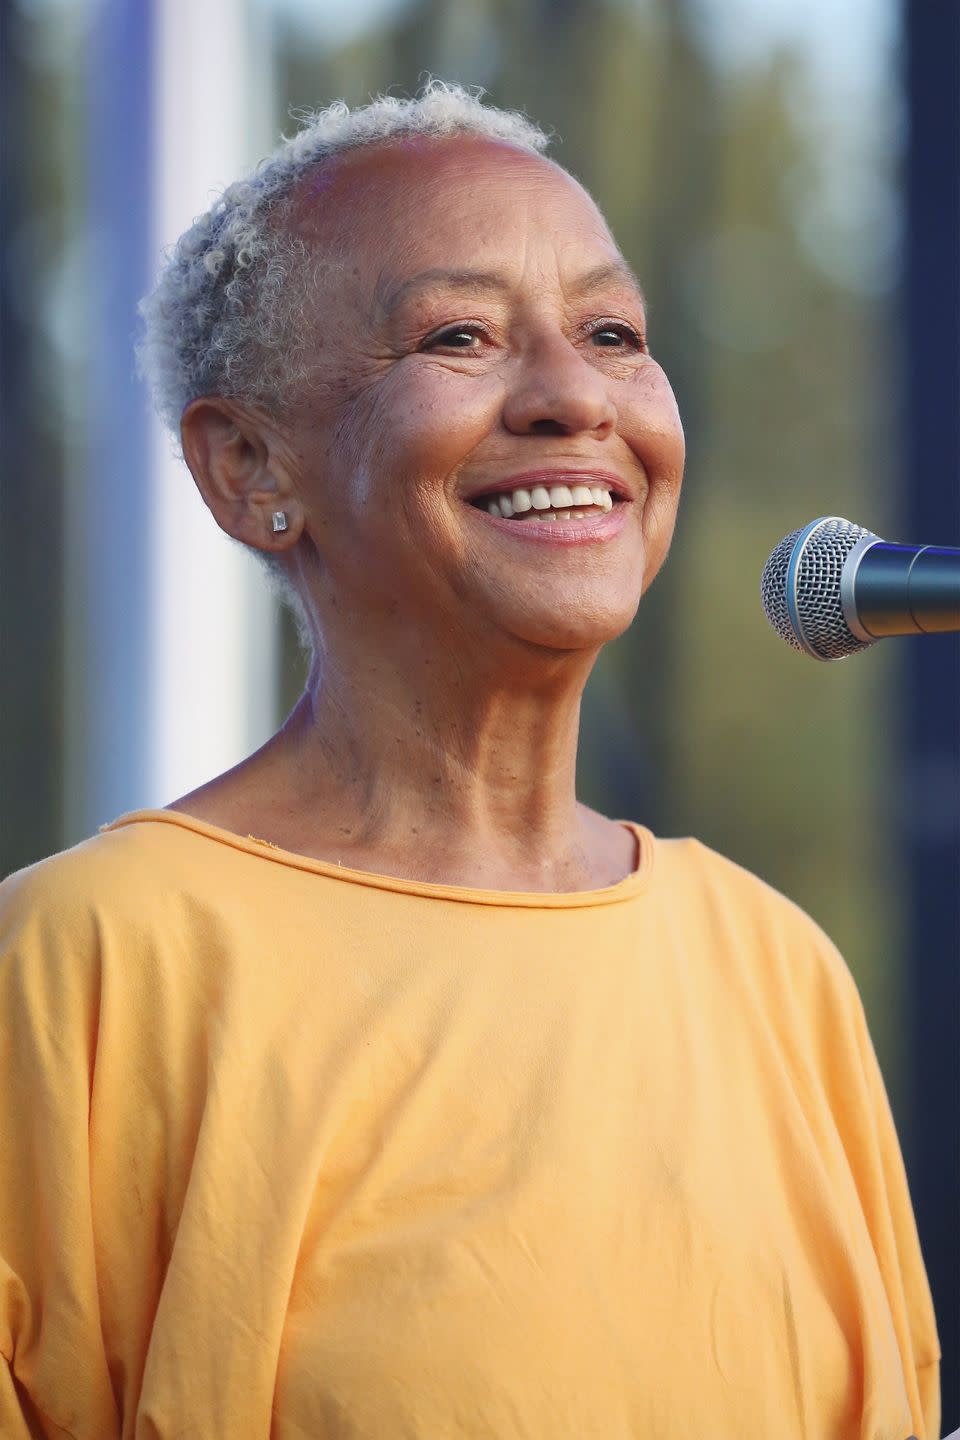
592,528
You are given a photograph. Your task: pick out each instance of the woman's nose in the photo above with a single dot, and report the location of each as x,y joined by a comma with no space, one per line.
558,392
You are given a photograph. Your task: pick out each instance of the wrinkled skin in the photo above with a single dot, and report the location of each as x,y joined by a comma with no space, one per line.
437,735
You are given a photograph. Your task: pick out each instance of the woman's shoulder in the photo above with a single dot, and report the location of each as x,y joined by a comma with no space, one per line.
115,875
695,866
749,918
112,904
53,915
105,863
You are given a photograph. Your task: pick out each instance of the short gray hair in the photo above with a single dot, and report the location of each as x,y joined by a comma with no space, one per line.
219,314
223,316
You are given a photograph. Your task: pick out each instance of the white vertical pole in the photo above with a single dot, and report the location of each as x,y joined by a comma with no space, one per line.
107,688
170,671
212,617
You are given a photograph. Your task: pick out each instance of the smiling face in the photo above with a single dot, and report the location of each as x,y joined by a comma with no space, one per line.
478,336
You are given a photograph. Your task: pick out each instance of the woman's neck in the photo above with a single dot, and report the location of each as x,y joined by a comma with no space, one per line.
416,765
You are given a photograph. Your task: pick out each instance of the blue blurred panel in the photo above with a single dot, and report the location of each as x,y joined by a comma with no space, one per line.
116,512
931,674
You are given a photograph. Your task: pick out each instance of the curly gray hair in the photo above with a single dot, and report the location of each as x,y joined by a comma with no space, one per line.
222,319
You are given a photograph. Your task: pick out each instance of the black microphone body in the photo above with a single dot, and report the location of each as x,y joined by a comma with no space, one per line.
906,590
833,588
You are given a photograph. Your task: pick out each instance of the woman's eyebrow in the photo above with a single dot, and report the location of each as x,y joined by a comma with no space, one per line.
389,295
616,272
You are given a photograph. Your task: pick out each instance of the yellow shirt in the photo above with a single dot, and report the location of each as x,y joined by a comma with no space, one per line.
294,1151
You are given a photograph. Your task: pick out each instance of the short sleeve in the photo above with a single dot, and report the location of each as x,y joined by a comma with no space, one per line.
54,1378
897,1245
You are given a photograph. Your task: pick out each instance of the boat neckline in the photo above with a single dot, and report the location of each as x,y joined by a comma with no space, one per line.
263,849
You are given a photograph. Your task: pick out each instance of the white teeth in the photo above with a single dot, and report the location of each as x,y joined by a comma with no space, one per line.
565,502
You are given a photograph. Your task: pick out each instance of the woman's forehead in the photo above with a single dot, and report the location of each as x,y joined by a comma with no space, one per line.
425,165
425,209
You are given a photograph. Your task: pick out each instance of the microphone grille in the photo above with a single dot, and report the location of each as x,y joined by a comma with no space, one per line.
773,589
817,554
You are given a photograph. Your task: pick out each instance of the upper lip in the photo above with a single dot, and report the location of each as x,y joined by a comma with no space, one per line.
554,475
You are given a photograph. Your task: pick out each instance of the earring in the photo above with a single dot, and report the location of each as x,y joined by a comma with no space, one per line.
279,520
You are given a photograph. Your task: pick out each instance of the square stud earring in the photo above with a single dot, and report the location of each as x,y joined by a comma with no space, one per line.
278,520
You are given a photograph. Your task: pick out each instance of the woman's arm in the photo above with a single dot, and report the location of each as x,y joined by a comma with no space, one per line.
894,1229
54,1378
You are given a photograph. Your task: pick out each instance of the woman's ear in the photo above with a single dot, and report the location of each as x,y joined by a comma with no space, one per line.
228,453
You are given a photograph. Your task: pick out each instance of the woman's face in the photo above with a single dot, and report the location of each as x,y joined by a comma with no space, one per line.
477,333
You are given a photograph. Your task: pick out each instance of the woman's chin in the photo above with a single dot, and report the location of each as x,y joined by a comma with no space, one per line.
573,627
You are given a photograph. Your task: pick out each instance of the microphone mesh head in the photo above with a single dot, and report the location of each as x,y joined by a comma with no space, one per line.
824,631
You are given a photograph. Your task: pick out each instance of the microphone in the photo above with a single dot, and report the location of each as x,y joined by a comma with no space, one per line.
833,588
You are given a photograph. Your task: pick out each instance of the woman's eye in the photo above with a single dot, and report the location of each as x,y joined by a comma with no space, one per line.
616,335
609,335
458,337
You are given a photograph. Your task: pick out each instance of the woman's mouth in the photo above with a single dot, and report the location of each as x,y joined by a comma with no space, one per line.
543,502
556,514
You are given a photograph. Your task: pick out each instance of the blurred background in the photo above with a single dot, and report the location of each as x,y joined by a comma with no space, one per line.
784,178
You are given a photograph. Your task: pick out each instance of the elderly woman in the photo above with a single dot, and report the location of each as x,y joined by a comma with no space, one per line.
378,1088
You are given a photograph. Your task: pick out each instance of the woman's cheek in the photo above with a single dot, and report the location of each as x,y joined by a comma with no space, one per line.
650,423
445,413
